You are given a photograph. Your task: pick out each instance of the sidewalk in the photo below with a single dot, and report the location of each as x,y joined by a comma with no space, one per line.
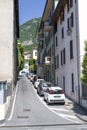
79,111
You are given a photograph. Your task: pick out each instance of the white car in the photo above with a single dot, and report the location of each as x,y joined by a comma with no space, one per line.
54,94
37,82
22,73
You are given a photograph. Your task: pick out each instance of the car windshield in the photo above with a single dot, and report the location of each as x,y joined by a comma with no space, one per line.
45,85
49,84
42,80
23,72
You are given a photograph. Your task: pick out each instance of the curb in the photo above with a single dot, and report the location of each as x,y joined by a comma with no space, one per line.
69,105
81,118
11,103
2,121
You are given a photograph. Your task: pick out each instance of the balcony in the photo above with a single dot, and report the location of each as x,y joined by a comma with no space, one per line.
47,27
47,60
69,31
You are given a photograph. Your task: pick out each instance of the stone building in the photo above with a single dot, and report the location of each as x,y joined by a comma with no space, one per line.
62,33
9,32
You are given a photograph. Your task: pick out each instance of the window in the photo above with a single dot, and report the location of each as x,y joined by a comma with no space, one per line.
84,91
62,33
62,17
72,20
72,82
35,53
64,83
69,5
3,86
55,28
68,23
57,61
71,49
64,56
56,42
61,58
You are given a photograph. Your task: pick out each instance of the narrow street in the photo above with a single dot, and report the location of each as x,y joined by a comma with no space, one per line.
29,110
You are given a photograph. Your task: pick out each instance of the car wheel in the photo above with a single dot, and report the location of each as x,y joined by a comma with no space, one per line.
39,94
44,99
48,102
63,103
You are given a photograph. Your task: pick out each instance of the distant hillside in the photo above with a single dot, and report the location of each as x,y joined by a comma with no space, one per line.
28,31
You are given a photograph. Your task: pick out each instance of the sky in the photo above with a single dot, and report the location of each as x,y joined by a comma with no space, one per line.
29,9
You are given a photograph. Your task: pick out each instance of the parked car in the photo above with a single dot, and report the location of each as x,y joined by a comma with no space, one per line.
31,78
29,75
22,73
54,94
34,78
37,82
42,87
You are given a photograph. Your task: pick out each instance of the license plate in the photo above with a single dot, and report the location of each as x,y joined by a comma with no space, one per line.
57,96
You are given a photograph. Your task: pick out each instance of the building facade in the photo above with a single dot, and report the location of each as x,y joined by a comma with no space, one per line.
63,29
8,52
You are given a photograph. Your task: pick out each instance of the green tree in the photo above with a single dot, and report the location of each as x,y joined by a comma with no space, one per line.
32,65
84,66
31,61
20,55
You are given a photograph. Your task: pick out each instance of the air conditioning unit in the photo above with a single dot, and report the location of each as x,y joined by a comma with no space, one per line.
47,60
69,30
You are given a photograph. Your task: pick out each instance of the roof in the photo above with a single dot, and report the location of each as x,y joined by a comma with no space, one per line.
47,9
46,12
59,9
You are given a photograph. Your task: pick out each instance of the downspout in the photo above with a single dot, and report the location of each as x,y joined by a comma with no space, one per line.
78,48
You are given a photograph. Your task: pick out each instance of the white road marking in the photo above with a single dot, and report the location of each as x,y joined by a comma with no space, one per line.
70,116
82,128
66,117
2,124
13,104
61,115
59,109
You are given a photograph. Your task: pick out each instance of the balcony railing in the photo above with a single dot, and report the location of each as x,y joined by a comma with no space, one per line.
47,60
47,27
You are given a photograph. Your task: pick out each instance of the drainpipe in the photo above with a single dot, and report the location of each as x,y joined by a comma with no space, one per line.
78,49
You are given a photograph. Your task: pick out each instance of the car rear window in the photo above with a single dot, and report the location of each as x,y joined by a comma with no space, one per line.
56,91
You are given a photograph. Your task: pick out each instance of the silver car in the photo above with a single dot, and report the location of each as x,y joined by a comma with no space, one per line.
37,82
42,87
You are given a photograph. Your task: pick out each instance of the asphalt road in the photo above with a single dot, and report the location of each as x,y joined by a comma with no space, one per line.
30,112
